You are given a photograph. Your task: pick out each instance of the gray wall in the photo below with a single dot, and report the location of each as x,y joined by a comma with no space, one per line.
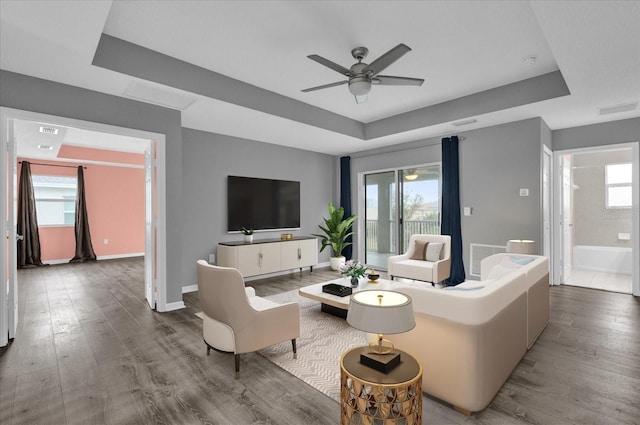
495,163
32,94
607,133
207,161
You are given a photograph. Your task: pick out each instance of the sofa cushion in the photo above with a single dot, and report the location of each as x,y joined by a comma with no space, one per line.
420,250
433,251
410,268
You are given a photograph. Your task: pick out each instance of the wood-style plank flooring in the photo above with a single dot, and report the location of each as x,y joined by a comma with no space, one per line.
89,351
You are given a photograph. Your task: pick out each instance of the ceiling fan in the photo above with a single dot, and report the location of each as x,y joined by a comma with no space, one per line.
362,76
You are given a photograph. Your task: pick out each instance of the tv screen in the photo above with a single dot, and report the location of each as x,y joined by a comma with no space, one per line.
262,203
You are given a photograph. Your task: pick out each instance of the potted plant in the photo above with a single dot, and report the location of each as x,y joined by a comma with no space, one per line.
248,234
336,231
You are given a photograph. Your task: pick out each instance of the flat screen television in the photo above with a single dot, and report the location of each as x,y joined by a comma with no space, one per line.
262,204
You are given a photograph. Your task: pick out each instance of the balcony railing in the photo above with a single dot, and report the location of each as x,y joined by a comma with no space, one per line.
429,227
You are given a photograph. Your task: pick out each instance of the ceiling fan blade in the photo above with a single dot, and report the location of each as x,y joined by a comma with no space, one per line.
329,64
387,59
326,86
389,80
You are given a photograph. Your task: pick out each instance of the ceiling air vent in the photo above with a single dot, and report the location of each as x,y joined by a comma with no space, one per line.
625,107
48,130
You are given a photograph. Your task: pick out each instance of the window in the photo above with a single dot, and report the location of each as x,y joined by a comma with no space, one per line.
55,199
618,185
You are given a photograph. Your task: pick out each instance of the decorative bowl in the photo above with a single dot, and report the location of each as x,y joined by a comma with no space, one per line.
373,277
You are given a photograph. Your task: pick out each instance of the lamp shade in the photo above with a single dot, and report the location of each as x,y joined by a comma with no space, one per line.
381,312
521,246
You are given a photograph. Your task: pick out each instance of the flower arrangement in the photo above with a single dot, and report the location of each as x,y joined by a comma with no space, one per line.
353,269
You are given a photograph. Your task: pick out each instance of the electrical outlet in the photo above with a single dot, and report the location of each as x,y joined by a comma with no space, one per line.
106,241
524,192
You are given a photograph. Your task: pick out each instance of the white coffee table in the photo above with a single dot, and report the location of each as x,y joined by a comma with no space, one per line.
334,304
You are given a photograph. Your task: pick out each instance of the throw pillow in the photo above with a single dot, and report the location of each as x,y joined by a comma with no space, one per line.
433,251
420,251
523,261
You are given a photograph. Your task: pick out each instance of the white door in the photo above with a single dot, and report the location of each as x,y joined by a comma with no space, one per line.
8,260
13,235
150,287
566,218
546,204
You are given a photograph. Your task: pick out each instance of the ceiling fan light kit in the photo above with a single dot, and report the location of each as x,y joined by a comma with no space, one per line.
361,75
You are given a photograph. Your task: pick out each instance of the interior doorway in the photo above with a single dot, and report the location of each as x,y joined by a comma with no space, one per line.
598,217
155,249
398,204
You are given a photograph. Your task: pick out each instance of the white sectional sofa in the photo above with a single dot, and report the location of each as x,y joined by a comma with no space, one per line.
469,338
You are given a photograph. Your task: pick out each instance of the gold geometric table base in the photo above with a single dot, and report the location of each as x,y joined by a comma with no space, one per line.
364,402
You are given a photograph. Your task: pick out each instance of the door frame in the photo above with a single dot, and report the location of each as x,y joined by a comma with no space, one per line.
635,208
7,199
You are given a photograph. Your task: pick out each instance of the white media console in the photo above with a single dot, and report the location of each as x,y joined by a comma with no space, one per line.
269,255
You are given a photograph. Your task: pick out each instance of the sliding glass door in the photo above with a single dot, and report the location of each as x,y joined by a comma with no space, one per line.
381,217
398,204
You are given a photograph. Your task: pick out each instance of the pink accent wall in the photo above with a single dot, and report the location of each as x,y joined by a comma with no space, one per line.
115,206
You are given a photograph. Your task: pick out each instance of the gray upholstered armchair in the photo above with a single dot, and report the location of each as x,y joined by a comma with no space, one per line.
235,320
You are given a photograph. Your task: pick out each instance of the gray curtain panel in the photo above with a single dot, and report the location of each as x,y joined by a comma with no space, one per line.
84,248
29,246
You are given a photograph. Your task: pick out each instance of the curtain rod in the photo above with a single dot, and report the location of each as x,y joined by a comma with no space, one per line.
52,165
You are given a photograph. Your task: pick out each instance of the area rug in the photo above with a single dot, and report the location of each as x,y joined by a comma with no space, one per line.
323,339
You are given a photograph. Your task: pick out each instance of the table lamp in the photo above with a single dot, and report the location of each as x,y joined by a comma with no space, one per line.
381,312
521,246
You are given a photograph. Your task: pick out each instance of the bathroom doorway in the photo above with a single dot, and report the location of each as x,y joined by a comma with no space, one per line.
598,217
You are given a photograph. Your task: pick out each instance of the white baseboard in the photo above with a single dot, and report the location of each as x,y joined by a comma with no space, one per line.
116,256
99,257
61,261
174,306
189,288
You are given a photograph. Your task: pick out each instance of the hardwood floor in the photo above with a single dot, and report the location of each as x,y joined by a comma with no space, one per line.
89,351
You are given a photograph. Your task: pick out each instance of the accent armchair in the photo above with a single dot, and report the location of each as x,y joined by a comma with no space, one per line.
235,320
422,263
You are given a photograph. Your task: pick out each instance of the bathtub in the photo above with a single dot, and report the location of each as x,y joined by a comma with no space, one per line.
610,259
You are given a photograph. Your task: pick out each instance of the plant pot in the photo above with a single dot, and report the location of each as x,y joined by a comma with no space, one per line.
336,262
248,238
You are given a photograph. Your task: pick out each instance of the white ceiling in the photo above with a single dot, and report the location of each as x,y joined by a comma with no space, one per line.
458,47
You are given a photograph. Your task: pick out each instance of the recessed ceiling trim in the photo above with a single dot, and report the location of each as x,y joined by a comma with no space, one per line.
525,92
130,59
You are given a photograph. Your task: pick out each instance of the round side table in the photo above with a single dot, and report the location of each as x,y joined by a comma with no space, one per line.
371,397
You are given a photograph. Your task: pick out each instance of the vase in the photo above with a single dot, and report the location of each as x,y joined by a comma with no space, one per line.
354,281
337,262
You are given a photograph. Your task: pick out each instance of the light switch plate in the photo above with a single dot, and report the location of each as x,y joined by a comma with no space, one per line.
467,210
524,192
